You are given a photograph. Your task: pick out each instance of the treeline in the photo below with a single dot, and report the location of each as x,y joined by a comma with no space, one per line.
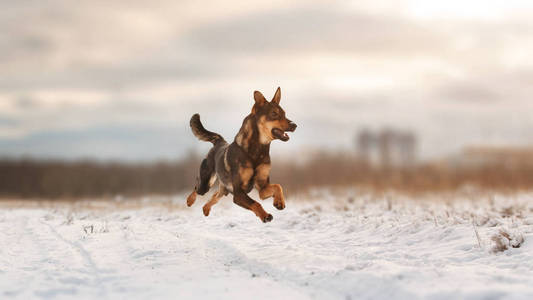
338,169
60,179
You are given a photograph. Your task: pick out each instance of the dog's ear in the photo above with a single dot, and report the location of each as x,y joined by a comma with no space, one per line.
277,96
259,101
259,98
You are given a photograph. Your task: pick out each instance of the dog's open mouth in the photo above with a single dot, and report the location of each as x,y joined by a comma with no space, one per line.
280,134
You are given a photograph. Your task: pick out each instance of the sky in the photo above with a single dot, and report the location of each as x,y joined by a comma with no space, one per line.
120,80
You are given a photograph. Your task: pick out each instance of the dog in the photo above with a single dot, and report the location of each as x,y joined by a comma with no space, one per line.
245,163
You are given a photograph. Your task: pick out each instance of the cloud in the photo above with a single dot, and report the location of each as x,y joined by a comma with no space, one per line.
8,122
468,91
317,29
78,70
115,142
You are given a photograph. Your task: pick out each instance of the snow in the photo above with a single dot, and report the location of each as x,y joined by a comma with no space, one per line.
325,245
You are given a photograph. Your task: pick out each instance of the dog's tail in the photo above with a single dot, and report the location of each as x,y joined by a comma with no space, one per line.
203,134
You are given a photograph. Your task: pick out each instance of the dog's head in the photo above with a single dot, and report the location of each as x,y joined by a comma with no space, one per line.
270,117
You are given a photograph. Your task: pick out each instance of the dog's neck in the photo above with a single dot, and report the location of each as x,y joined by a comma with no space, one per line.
249,139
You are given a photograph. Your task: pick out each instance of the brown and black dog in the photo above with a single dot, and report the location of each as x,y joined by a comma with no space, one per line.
245,163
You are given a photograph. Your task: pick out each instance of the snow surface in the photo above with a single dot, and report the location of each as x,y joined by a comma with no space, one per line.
331,247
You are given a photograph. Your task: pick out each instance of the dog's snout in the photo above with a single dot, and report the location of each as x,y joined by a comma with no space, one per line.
292,126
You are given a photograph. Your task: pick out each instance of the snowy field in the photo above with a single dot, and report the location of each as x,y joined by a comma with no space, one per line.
342,246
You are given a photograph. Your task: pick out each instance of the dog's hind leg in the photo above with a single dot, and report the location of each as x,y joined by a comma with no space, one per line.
205,179
191,198
207,175
214,199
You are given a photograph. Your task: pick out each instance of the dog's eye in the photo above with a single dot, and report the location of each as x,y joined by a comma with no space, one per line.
274,115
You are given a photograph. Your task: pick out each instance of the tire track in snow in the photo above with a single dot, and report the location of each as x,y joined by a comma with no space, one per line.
21,239
84,254
39,258
231,255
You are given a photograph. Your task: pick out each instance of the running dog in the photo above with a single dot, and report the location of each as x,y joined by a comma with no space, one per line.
245,163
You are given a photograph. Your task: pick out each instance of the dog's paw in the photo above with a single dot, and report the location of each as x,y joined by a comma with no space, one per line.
206,210
267,218
279,205
191,199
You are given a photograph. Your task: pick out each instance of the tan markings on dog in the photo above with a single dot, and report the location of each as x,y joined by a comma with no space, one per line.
214,199
265,130
239,138
246,174
244,135
267,190
258,210
212,180
261,175
247,134
191,198
273,190
226,163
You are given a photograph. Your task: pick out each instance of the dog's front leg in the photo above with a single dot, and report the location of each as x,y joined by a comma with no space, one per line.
243,200
269,190
241,181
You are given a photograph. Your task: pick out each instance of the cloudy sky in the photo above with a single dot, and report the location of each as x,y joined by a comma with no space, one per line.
120,80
